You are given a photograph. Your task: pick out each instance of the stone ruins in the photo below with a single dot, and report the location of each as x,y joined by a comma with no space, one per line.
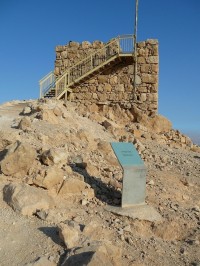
114,86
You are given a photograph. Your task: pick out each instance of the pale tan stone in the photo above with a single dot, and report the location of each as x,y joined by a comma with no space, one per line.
102,78
149,78
18,161
113,80
141,60
152,59
26,199
69,235
108,87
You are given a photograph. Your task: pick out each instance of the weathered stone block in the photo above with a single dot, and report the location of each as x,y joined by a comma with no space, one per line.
145,68
155,68
124,79
141,60
152,97
119,87
138,80
94,96
100,88
85,45
155,49
154,88
60,48
64,54
140,44
149,78
152,41
143,97
97,44
113,80
108,88
102,78
74,44
102,97
152,59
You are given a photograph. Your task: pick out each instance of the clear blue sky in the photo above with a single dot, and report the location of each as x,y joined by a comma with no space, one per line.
30,30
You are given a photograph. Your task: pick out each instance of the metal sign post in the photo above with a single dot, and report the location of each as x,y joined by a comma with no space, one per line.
134,184
135,44
134,180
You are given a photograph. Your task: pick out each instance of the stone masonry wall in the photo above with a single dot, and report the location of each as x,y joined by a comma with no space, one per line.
115,85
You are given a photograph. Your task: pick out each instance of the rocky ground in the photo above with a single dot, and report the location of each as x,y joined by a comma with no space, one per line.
58,174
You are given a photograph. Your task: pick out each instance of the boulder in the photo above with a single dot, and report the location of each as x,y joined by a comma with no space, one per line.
26,199
25,123
97,253
73,186
53,177
69,235
57,111
54,156
27,110
104,146
48,116
160,124
139,116
18,160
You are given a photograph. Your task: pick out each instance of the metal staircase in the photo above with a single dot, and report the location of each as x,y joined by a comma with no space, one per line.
111,53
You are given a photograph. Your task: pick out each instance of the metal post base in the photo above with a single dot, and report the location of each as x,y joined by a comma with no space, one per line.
140,212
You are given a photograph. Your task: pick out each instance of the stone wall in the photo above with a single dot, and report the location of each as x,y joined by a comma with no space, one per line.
115,85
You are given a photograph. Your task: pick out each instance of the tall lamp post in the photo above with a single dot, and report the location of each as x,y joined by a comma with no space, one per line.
135,44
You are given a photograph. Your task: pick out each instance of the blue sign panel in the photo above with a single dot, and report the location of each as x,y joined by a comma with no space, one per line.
134,173
127,154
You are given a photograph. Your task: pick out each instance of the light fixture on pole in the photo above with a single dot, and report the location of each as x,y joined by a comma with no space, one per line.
135,43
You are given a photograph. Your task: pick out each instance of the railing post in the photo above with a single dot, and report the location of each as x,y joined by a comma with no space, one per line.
40,91
56,90
118,43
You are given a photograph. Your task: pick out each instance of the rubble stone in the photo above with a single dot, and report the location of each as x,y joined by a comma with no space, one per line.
114,86
18,161
69,235
26,199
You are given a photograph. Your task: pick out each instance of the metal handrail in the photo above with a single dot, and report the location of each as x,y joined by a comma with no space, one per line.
46,83
123,44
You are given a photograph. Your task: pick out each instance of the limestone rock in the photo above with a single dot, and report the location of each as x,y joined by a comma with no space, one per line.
18,160
104,146
92,170
53,177
73,186
69,235
49,116
54,156
25,123
85,44
97,253
26,199
27,110
57,111
160,124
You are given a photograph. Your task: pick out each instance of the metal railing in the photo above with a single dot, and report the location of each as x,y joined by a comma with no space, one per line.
126,44
115,47
46,83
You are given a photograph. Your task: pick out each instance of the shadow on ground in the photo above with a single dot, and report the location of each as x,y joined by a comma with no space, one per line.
103,192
